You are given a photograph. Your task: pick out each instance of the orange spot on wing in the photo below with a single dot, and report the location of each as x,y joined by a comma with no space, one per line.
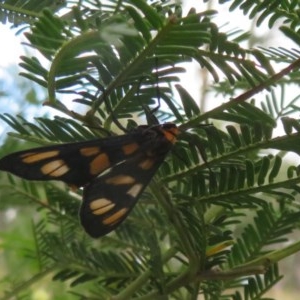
120,179
130,148
135,190
101,206
55,168
33,157
171,134
146,164
99,164
89,151
116,217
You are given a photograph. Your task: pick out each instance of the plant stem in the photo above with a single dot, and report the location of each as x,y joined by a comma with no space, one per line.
26,284
142,279
243,97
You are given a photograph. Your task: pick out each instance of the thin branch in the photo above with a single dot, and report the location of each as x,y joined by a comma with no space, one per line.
243,97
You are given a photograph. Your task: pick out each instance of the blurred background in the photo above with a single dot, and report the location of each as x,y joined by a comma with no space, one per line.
18,95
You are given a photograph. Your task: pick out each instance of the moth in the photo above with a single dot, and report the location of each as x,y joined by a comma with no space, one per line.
113,171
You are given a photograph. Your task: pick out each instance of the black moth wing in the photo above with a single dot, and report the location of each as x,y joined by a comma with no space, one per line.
125,163
74,163
105,205
108,199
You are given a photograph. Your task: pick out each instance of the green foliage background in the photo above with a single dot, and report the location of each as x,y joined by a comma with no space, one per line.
112,58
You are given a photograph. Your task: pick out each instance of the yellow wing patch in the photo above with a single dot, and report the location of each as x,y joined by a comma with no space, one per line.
55,168
116,217
120,179
89,151
135,190
101,206
146,164
33,157
130,148
99,164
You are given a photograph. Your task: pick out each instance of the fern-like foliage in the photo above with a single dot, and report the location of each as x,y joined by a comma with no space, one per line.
227,183
275,10
24,12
